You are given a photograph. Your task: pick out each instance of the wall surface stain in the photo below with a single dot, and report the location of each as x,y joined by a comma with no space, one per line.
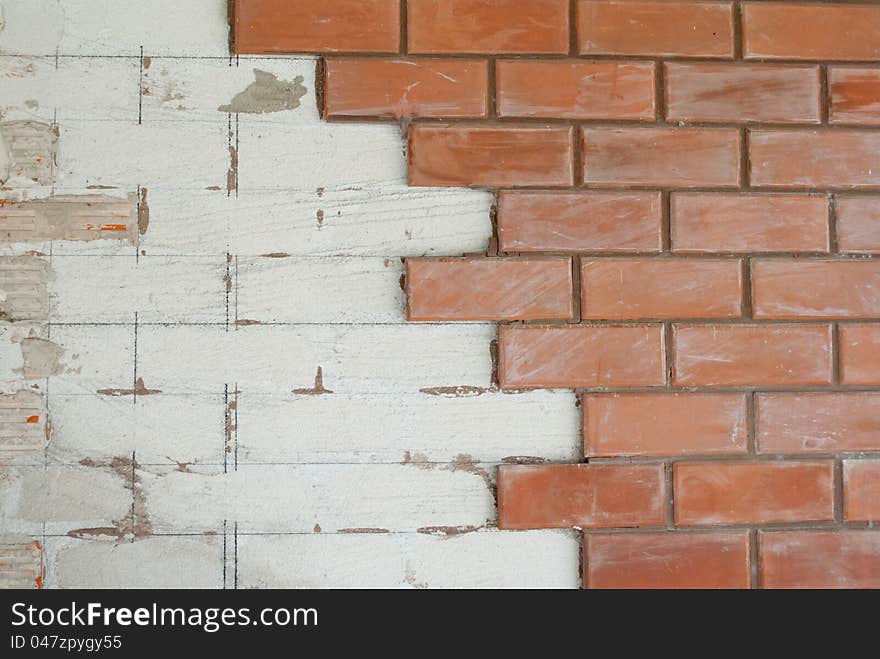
41,358
266,94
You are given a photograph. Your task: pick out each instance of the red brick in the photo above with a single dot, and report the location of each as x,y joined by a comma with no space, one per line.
371,87
667,560
574,89
783,288
820,32
660,288
819,559
753,492
858,224
580,356
580,495
698,29
752,355
588,221
488,26
855,96
860,354
320,26
815,158
742,92
861,491
675,157
818,422
490,156
663,424
488,288
740,223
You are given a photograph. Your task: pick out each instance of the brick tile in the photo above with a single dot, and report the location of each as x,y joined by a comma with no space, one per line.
580,495
788,288
815,158
580,221
663,424
582,356
320,26
854,96
860,354
699,29
742,92
828,32
575,89
667,560
740,223
676,157
861,491
660,288
490,156
819,559
753,492
370,87
488,288
21,565
488,26
752,355
818,422
858,224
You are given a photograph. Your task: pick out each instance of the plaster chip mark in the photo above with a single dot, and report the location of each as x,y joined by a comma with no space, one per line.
136,524
457,392
247,322
363,530
275,255
28,152
41,358
267,94
139,390
24,290
70,217
461,462
448,531
318,389
143,212
320,217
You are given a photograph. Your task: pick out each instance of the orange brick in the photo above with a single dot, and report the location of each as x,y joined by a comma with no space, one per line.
490,156
676,157
783,288
815,158
580,356
752,355
819,559
371,87
590,221
667,560
660,288
580,495
663,424
739,223
855,96
698,29
742,92
320,26
818,422
858,224
488,26
817,31
860,354
488,288
753,492
575,89
861,491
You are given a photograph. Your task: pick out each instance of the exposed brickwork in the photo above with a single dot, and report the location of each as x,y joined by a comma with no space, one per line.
688,216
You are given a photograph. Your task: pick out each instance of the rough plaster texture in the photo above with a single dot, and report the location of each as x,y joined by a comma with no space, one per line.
189,442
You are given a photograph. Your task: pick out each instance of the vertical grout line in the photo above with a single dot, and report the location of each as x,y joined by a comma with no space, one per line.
751,423
225,427
235,289
577,156
747,304
754,559
824,100
141,89
838,491
227,283
133,494
404,20
492,89
669,352
224,554
134,386
572,28
835,354
583,560
576,289
235,429
737,31
235,557
745,161
666,220
833,239
137,244
670,495
660,110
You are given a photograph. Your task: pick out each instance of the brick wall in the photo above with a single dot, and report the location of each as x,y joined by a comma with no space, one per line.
687,225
